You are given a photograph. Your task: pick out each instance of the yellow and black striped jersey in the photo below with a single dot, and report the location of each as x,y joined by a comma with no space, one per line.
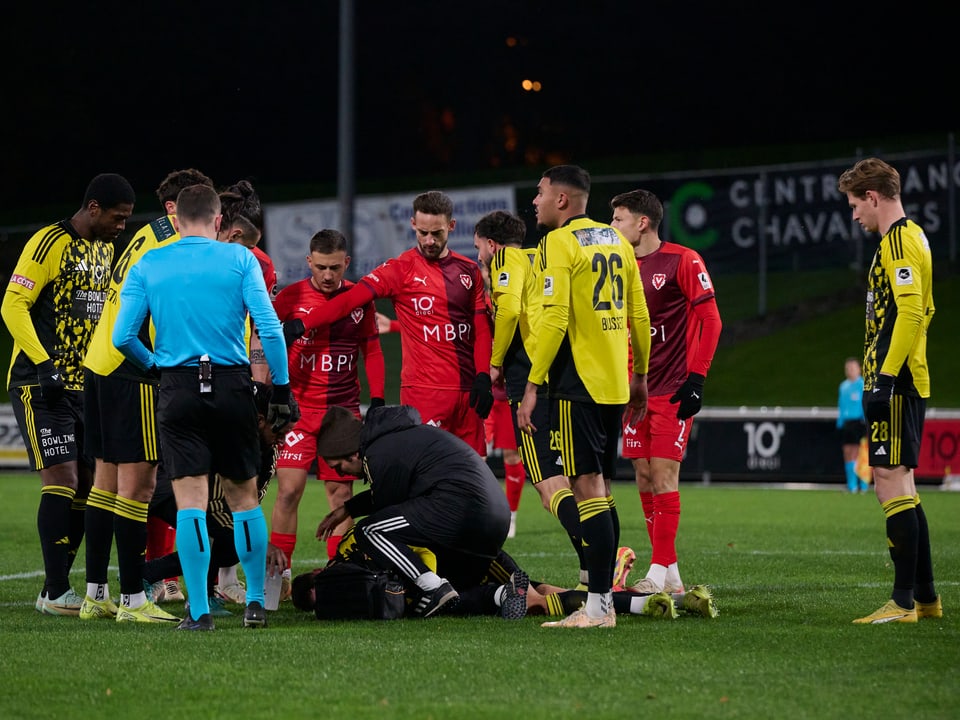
590,290
516,306
53,301
899,310
102,357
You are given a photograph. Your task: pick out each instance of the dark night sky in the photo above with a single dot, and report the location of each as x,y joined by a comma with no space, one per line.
249,89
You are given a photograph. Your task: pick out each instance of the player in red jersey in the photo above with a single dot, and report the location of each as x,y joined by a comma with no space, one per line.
445,336
684,331
324,366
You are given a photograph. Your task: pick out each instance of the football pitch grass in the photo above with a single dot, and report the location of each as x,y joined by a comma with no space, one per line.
790,569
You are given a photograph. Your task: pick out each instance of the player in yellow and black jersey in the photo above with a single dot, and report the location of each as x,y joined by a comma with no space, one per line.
120,416
514,293
592,300
51,306
896,381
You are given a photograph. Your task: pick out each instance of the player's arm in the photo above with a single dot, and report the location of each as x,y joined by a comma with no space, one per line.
554,295
130,317
697,286
258,304
373,362
483,332
338,307
29,278
506,287
908,321
638,322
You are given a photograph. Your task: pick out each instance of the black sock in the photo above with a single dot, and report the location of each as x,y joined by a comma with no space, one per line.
902,531
924,588
53,526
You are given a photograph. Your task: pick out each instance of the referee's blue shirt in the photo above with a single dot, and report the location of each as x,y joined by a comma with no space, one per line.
198,292
850,401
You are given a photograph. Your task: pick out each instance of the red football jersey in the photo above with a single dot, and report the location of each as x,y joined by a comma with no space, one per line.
675,282
442,312
324,362
268,270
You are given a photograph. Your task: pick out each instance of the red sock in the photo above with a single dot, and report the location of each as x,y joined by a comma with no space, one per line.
332,542
514,478
286,542
157,538
646,501
666,508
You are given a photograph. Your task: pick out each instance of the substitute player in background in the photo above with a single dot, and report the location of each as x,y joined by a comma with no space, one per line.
684,331
120,402
51,307
498,238
324,370
439,300
592,299
896,381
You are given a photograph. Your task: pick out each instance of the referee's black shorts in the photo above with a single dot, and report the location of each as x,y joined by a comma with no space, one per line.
209,432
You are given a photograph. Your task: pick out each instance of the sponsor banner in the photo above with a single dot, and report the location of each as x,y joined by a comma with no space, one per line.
381,227
794,211
795,445
13,454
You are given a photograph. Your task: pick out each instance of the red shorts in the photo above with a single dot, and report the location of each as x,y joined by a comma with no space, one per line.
499,426
450,410
659,435
299,448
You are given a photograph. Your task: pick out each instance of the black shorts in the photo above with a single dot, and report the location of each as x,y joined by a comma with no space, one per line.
541,457
120,418
52,435
897,442
588,435
852,432
210,432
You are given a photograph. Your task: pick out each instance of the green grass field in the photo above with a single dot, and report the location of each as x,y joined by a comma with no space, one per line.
790,570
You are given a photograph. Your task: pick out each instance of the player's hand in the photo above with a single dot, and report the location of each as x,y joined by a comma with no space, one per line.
496,376
383,323
375,402
293,330
481,395
51,382
525,409
878,400
329,523
690,396
282,410
276,560
636,408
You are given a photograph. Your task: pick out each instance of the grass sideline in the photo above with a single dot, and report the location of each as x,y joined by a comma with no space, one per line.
790,570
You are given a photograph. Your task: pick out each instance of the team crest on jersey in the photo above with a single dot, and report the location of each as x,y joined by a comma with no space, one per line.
905,276
548,285
704,280
659,280
356,315
466,280
503,279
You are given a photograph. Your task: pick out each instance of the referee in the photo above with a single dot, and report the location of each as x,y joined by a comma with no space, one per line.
198,293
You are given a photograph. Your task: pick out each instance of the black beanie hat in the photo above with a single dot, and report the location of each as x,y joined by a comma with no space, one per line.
339,433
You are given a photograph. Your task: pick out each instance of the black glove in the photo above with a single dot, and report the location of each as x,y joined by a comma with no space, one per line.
690,396
481,395
282,408
292,330
375,402
878,401
51,383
